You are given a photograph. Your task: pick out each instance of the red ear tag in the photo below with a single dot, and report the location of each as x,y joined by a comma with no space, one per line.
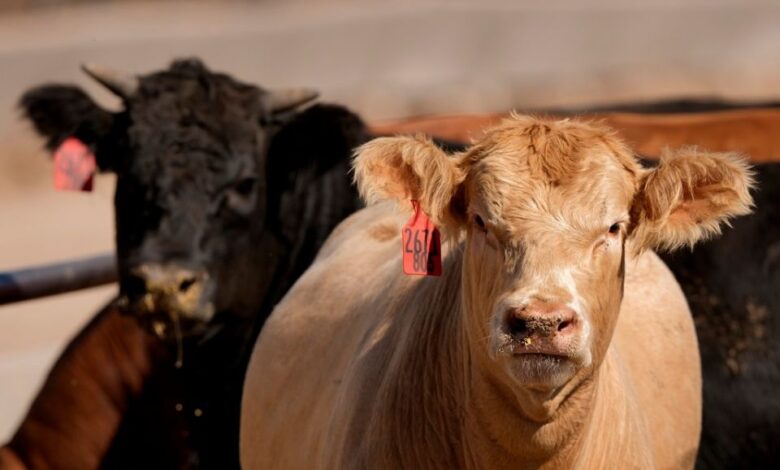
74,166
421,245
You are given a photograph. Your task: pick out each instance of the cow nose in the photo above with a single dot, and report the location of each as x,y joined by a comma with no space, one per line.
158,288
134,287
167,279
542,319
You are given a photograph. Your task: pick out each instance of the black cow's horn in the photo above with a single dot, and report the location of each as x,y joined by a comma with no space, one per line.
279,101
120,84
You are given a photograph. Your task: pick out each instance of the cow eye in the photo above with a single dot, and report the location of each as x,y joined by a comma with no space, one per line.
614,229
479,222
240,196
245,186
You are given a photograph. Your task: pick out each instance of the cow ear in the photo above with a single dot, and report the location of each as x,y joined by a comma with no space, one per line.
61,111
411,168
687,198
332,132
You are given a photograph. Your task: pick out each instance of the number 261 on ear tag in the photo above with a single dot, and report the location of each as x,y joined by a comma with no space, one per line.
421,245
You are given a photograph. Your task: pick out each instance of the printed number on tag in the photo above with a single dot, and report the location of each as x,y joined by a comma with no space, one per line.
421,245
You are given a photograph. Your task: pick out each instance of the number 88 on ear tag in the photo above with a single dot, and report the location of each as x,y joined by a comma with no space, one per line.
421,245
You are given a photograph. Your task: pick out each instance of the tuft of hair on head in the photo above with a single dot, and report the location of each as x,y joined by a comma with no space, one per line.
555,148
406,168
688,197
191,65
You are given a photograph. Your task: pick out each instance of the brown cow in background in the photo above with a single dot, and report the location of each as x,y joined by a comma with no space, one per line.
98,378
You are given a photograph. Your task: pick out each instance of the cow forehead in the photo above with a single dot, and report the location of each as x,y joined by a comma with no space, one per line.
193,126
529,169
190,82
188,100
190,108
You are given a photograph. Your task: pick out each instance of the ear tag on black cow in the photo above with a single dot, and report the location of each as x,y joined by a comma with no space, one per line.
421,245
74,166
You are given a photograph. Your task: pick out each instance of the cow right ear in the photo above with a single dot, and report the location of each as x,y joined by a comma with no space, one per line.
61,111
688,197
411,168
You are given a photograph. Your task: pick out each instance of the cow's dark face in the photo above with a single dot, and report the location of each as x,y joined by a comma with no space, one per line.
189,152
189,190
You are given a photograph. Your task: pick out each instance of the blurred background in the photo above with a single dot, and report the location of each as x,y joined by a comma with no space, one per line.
384,59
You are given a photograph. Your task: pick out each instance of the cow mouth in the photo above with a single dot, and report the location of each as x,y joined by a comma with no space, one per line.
166,296
167,318
534,346
539,348
538,361
549,359
169,326
538,337
541,371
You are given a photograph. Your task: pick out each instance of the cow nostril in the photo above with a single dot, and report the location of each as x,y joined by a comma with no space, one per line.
517,326
185,285
135,287
564,324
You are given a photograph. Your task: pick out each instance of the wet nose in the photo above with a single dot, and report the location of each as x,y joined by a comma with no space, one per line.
160,287
542,319
165,279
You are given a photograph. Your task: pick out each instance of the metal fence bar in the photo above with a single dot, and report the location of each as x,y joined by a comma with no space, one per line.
52,279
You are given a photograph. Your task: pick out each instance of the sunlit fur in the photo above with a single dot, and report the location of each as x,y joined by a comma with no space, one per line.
380,370
395,167
547,192
688,197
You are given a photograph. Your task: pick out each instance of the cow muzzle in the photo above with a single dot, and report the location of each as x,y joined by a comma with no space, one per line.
540,327
161,293
543,343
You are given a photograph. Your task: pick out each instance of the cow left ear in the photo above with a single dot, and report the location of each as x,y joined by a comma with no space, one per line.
687,198
411,168
61,111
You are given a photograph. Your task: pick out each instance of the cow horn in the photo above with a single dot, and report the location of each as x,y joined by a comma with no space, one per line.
279,101
122,85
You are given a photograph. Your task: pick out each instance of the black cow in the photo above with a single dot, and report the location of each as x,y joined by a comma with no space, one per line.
733,288
225,191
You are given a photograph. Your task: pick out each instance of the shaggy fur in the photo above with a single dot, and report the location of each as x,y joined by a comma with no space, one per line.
688,196
380,370
397,166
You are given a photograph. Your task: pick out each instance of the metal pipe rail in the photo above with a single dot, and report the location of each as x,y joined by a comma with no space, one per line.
58,278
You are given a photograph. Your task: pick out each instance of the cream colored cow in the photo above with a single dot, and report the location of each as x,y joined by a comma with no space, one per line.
554,339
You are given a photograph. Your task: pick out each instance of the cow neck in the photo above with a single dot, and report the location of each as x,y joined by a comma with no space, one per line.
451,384
506,426
309,211
591,425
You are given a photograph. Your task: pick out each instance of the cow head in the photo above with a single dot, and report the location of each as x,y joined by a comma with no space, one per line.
189,151
547,212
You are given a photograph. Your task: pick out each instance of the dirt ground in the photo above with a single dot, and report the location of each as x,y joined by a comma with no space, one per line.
384,59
